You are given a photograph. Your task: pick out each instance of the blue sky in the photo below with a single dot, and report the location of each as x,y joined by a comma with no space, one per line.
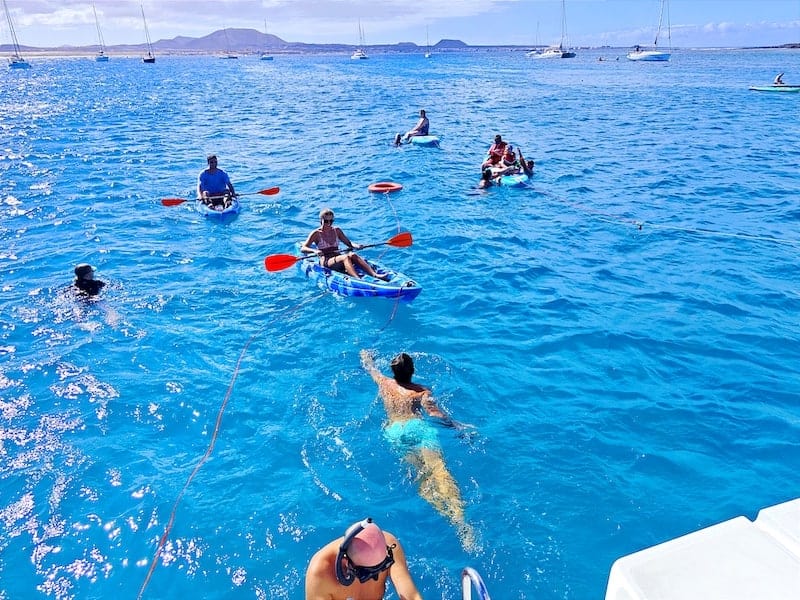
694,23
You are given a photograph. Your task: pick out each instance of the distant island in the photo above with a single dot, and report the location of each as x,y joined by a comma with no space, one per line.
240,41
252,41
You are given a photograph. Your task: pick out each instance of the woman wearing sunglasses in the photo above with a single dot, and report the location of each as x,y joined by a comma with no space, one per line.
324,241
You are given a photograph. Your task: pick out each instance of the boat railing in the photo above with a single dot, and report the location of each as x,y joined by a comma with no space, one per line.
469,580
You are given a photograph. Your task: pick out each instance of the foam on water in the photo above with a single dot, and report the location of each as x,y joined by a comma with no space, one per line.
622,334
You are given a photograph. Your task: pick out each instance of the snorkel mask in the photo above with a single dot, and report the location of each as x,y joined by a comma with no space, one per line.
346,571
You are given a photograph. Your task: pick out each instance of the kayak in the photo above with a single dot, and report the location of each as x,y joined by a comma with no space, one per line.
425,140
775,88
398,285
207,211
517,180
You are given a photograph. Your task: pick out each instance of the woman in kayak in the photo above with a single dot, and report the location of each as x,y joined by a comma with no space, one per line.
326,240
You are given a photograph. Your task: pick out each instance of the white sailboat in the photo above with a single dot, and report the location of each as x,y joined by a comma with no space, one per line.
265,55
360,54
16,61
101,56
229,55
562,50
654,54
150,58
427,43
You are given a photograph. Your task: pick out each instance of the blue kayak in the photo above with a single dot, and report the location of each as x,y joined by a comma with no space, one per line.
207,211
424,140
398,285
518,180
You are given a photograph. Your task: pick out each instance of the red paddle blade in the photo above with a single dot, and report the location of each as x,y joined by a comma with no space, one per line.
279,262
172,201
270,192
401,240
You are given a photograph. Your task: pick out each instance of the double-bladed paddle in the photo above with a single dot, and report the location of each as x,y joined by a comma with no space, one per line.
279,262
175,201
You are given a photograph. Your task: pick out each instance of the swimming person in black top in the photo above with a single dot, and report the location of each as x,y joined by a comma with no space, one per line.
85,282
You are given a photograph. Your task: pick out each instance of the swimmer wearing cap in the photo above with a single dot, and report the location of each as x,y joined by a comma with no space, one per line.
357,565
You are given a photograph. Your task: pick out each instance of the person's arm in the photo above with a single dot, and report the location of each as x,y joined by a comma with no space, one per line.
200,186
311,239
399,574
368,362
230,185
320,583
345,240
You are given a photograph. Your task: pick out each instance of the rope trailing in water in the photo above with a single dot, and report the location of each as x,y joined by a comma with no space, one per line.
640,225
212,442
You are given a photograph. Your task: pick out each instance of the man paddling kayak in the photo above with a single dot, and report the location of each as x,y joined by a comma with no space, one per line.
214,187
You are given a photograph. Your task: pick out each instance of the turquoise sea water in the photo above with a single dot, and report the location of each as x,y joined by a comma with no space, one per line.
623,334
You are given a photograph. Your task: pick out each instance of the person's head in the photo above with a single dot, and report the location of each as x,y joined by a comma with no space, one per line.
211,159
326,216
422,112
363,553
529,163
510,150
498,139
84,271
402,368
486,175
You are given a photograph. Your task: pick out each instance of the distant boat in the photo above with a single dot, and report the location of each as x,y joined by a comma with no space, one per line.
266,55
150,58
101,56
562,50
359,54
654,54
775,88
228,54
427,43
16,61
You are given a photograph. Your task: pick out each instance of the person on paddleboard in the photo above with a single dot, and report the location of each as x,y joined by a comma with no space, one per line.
325,241
778,79
358,564
494,155
421,128
214,187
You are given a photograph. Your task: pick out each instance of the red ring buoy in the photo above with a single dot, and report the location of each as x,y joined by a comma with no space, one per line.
385,186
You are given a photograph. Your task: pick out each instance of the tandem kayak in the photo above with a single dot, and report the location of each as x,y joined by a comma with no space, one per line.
207,211
424,140
398,285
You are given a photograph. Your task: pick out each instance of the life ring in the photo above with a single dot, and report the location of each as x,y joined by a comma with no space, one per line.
385,186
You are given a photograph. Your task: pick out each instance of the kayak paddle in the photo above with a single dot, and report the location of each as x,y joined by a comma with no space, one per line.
279,262
175,201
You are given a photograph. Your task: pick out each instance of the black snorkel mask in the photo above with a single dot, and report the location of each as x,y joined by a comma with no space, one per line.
346,571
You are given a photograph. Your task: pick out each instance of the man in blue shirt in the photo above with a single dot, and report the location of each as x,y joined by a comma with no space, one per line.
214,187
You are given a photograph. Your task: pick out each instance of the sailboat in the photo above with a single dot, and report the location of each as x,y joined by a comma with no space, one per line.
654,54
266,55
228,54
101,56
16,61
359,54
560,51
149,59
427,43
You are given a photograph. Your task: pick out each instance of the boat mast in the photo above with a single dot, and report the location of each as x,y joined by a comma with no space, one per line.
11,29
146,33
660,20
99,33
563,24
